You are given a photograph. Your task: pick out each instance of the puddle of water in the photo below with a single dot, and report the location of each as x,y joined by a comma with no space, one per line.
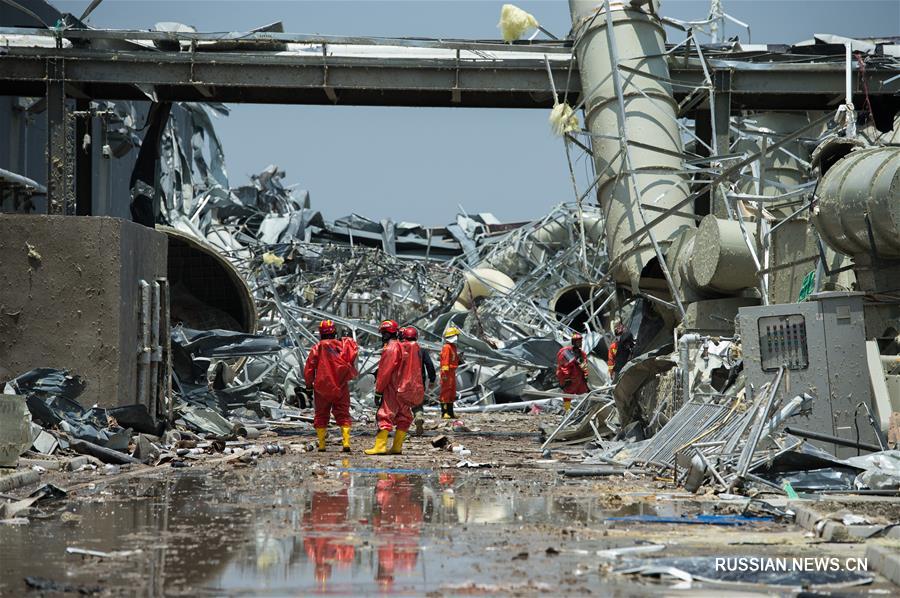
351,532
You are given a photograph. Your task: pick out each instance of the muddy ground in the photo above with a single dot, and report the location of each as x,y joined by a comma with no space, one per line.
302,523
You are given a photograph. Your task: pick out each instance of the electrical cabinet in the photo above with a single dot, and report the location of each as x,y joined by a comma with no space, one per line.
822,345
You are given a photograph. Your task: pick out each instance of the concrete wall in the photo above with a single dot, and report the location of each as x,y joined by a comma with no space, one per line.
72,300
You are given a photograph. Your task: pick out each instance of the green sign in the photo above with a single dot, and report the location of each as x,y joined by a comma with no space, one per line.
809,285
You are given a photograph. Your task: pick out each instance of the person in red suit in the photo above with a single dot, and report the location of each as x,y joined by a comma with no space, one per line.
572,370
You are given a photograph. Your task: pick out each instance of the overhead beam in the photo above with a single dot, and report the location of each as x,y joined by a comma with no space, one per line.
395,79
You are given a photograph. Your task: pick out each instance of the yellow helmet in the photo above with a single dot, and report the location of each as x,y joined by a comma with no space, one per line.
452,331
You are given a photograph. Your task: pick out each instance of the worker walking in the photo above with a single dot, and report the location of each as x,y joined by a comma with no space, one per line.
449,363
572,370
330,366
392,411
409,338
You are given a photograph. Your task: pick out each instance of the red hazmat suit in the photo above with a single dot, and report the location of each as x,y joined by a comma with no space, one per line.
326,525
449,363
396,526
569,371
411,388
393,411
330,366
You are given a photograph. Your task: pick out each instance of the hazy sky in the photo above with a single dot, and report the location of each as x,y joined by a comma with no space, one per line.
419,163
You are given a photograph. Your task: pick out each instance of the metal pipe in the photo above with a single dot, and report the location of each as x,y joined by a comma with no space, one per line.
155,349
621,109
165,382
143,356
743,464
792,407
832,439
18,179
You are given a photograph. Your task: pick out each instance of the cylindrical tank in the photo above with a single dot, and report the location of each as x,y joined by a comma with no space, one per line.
650,119
859,197
782,169
484,282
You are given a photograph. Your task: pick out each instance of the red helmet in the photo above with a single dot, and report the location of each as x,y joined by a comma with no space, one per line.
327,327
409,333
576,338
389,327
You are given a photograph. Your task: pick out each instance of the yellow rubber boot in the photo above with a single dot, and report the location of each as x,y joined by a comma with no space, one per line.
380,447
321,432
399,437
345,438
445,411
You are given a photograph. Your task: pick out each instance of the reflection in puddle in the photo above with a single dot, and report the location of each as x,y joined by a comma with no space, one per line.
347,533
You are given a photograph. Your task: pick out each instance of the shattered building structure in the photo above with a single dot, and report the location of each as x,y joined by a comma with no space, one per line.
742,224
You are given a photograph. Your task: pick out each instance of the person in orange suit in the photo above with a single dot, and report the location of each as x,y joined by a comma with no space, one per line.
450,362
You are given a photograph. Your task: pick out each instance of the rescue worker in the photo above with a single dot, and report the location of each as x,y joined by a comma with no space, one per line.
449,363
611,355
393,412
330,366
619,350
572,370
410,335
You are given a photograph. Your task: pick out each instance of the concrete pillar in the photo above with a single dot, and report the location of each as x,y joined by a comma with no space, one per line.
60,154
83,159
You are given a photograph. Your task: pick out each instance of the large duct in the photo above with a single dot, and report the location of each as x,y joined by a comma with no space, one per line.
783,169
713,260
858,214
206,290
649,120
792,244
483,282
539,245
858,210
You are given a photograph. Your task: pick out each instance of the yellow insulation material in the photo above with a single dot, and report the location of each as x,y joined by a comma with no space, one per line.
270,259
514,22
563,120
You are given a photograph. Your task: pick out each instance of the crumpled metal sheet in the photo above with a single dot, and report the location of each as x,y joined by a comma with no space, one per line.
882,470
223,343
47,382
51,398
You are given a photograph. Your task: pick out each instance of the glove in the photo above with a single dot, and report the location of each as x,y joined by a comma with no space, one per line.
379,397
584,368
